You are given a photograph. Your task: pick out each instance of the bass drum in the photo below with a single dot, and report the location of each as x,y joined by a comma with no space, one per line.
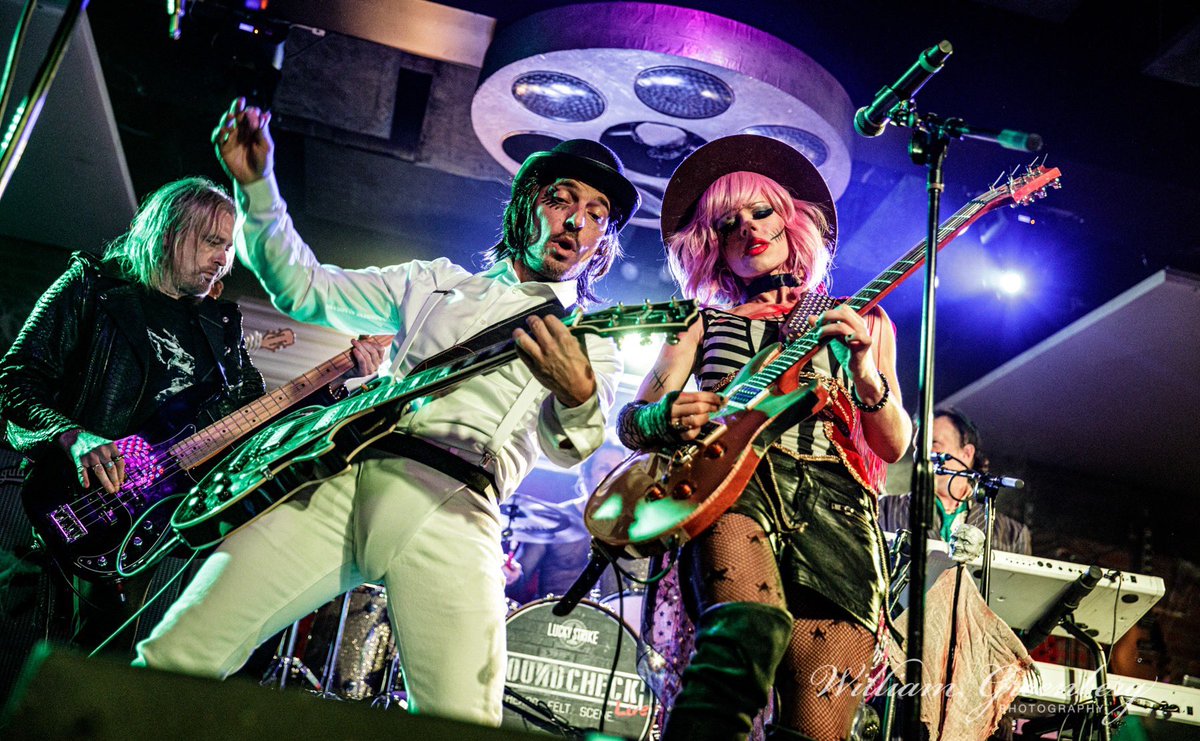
560,669
627,604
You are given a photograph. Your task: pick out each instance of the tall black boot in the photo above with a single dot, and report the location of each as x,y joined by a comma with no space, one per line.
738,646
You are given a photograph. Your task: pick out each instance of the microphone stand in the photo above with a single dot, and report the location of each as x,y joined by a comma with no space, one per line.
931,135
987,494
927,147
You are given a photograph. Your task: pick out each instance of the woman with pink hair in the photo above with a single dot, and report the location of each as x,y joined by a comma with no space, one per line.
786,588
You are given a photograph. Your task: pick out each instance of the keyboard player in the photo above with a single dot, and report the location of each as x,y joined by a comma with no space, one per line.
954,434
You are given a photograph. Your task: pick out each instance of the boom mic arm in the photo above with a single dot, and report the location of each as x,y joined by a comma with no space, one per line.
1066,604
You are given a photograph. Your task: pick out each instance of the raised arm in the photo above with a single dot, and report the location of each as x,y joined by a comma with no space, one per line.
353,301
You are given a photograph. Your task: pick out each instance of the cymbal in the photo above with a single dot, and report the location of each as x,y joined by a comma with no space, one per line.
527,519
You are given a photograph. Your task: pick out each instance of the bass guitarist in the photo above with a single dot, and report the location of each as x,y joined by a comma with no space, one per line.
785,588
419,513
115,341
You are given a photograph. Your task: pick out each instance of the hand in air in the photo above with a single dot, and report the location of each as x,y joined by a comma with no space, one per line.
243,142
95,458
556,359
691,412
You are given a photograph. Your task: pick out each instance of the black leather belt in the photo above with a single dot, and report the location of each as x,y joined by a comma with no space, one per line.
439,459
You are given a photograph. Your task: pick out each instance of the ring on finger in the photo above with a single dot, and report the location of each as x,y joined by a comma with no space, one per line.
679,425
110,464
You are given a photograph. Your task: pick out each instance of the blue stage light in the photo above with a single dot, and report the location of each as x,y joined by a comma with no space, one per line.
1010,283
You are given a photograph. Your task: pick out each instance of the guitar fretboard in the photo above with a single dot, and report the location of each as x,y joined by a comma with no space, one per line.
426,381
803,346
196,449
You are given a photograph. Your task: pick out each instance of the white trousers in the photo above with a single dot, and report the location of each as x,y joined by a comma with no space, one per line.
432,542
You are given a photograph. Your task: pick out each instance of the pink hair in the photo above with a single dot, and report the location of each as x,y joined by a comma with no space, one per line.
694,252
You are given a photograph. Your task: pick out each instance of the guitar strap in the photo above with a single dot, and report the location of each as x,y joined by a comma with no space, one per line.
796,322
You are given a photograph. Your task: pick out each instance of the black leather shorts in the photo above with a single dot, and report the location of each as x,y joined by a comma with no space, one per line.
823,529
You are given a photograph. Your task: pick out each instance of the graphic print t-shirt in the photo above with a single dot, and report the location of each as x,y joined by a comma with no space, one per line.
180,356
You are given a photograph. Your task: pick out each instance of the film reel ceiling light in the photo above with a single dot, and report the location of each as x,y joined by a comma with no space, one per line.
654,82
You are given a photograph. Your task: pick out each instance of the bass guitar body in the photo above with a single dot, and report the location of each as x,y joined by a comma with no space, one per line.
83,529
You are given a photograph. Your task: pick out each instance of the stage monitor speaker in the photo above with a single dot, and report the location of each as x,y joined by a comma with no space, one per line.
62,695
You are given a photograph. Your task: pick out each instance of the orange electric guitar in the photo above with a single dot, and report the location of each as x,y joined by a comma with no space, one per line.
660,499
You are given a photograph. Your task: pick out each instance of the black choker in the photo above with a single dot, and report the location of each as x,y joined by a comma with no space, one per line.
764,283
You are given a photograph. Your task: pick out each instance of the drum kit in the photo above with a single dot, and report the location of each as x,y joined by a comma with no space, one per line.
565,676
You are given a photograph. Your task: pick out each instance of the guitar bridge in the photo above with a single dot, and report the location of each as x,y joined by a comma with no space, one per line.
684,454
71,528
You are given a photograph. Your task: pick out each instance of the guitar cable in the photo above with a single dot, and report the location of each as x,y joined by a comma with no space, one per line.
621,575
136,615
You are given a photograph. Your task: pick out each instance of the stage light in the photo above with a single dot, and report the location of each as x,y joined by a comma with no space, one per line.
558,96
808,143
683,92
1010,283
638,353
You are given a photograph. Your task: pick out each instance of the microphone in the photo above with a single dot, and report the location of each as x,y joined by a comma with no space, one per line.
597,562
1066,604
872,119
986,480
1001,482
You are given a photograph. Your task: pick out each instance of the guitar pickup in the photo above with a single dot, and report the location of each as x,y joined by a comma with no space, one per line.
67,523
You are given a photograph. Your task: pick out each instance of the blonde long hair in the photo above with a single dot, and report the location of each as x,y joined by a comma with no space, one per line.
148,252
694,252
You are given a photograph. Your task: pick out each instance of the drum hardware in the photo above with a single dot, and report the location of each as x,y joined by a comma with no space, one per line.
392,677
351,639
532,520
286,664
327,692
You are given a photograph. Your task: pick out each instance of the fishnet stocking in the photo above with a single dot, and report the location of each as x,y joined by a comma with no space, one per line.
820,681
822,677
732,561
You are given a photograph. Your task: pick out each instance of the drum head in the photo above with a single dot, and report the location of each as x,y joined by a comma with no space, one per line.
563,665
627,604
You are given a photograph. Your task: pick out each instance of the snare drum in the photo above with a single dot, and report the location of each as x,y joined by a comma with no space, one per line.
563,666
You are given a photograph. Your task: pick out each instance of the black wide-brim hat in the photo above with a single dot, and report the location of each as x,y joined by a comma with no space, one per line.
742,153
589,162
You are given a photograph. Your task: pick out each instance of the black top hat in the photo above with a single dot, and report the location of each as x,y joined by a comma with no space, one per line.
589,162
742,153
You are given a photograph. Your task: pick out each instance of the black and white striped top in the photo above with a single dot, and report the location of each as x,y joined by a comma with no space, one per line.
731,341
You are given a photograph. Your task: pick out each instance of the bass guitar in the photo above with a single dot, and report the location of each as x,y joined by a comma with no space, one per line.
310,446
83,529
658,500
